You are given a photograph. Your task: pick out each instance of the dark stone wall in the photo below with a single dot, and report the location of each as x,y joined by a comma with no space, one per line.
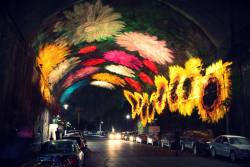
20,100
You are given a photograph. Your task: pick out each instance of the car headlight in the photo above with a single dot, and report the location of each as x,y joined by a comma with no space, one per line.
111,136
131,138
118,136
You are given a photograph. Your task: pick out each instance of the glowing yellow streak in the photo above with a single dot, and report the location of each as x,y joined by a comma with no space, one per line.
144,109
138,98
113,79
175,74
161,83
151,114
48,57
129,96
222,73
192,72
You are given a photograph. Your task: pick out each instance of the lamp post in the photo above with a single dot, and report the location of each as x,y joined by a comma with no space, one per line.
127,120
100,127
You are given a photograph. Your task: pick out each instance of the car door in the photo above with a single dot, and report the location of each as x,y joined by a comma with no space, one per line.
217,145
225,147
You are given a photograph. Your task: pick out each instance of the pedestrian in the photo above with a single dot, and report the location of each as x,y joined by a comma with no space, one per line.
177,142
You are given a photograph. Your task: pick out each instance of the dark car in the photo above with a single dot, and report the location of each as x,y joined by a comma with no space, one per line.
197,141
167,140
80,141
62,149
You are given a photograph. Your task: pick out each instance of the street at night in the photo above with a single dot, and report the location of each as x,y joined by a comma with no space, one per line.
117,153
124,83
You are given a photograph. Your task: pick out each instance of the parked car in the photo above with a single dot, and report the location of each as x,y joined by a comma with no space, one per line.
152,139
80,141
65,149
132,137
141,138
167,140
233,147
196,140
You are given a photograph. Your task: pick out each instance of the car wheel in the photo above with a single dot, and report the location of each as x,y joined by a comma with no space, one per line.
182,147
232,156
195,150
213,153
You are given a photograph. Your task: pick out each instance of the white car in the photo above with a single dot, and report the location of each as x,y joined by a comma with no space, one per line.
152,139
231,146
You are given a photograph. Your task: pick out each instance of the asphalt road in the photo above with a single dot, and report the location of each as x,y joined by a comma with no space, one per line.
118,153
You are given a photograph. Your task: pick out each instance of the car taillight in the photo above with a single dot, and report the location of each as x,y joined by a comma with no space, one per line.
73,161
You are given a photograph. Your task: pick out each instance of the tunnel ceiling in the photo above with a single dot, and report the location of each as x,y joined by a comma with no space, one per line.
120,47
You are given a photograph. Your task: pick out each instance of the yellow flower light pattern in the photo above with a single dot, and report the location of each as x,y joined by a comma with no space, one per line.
219,74
185,98
176,74
144,109
110,78
161,84
49,56
188,100
132,101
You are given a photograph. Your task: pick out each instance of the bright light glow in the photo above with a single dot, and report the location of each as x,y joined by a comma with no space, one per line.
89,22
131,138
127,116
110,78
121,70
65,106
78,75
103,84
148,46
111,136
61,70
123,58
118,136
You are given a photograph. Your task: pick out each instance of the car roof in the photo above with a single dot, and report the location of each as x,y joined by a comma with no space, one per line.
61,140
233,136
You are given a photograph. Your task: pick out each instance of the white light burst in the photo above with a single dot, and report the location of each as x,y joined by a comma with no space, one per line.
121,70
148,46
102,84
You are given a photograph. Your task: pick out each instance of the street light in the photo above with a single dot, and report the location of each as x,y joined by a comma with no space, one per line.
65,106
100,126
127,116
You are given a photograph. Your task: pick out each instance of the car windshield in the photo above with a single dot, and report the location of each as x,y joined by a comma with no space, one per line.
238,140
58,147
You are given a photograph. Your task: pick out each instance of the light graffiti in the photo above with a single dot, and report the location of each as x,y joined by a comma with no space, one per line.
145,78
102,84
187,89
150,65
134,84
148,46
87,49
113,79
93,62
121,70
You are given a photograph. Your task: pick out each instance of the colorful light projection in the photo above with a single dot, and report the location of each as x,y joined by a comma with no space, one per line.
145,78
87,49
186,90
93,62
102,84
132,101
110,78
134,84
49,56
78,75
160,100
121,70
148,46
62,69
217,75
89,22
123,58
150,65
68,92
175,73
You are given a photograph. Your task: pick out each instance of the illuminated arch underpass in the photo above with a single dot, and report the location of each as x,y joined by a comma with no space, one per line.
135,52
